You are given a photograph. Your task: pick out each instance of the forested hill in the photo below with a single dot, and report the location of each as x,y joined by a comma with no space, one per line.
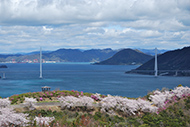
172,60
127,57
76,55
64,55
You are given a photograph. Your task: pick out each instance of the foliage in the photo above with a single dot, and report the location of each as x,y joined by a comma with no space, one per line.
69,118
179,85
164,108
174,116
49,95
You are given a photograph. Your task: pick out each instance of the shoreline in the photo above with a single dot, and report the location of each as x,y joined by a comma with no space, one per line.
174,73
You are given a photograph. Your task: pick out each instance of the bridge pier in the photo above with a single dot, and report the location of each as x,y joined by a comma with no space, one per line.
176,73
4,75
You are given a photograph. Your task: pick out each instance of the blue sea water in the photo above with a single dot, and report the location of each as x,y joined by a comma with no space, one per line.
104,79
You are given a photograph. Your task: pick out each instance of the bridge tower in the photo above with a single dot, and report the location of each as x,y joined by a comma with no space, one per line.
156,64
41,63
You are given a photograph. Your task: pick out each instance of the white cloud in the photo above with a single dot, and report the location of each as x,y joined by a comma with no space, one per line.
47,30
186,36
72,11
54,24
151,33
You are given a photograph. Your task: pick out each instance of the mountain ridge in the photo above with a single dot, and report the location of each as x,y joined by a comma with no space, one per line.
171,63
126,57
64,55
178,59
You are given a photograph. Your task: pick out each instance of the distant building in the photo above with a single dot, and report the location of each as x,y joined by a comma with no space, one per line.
35,61
50,61
13,61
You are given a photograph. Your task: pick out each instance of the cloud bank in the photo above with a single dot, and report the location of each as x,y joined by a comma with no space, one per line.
27,24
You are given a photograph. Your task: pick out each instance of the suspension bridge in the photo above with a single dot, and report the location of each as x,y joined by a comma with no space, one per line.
154,72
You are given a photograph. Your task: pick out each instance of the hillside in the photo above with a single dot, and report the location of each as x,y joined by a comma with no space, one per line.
5,57
75,55
73,108
127,57
172,60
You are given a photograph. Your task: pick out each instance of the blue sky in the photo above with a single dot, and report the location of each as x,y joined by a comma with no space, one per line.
25,25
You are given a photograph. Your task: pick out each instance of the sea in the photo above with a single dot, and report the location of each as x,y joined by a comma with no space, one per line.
103,79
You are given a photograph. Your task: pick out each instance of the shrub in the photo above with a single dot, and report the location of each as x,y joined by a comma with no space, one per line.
187,103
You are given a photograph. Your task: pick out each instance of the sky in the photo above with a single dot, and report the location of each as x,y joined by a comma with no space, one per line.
27,25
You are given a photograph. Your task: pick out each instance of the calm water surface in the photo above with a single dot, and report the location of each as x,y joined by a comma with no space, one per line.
104,79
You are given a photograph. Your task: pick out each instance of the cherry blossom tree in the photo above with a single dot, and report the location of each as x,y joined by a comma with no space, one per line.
10,117
4,102
71,101
43,120
29,103
160,99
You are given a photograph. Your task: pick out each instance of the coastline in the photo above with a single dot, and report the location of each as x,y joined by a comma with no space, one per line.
175,73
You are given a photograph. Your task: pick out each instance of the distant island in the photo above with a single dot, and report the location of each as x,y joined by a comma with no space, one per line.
169,63
60,55
126,57
3,66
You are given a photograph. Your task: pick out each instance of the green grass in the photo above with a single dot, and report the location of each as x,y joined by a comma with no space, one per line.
17,99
